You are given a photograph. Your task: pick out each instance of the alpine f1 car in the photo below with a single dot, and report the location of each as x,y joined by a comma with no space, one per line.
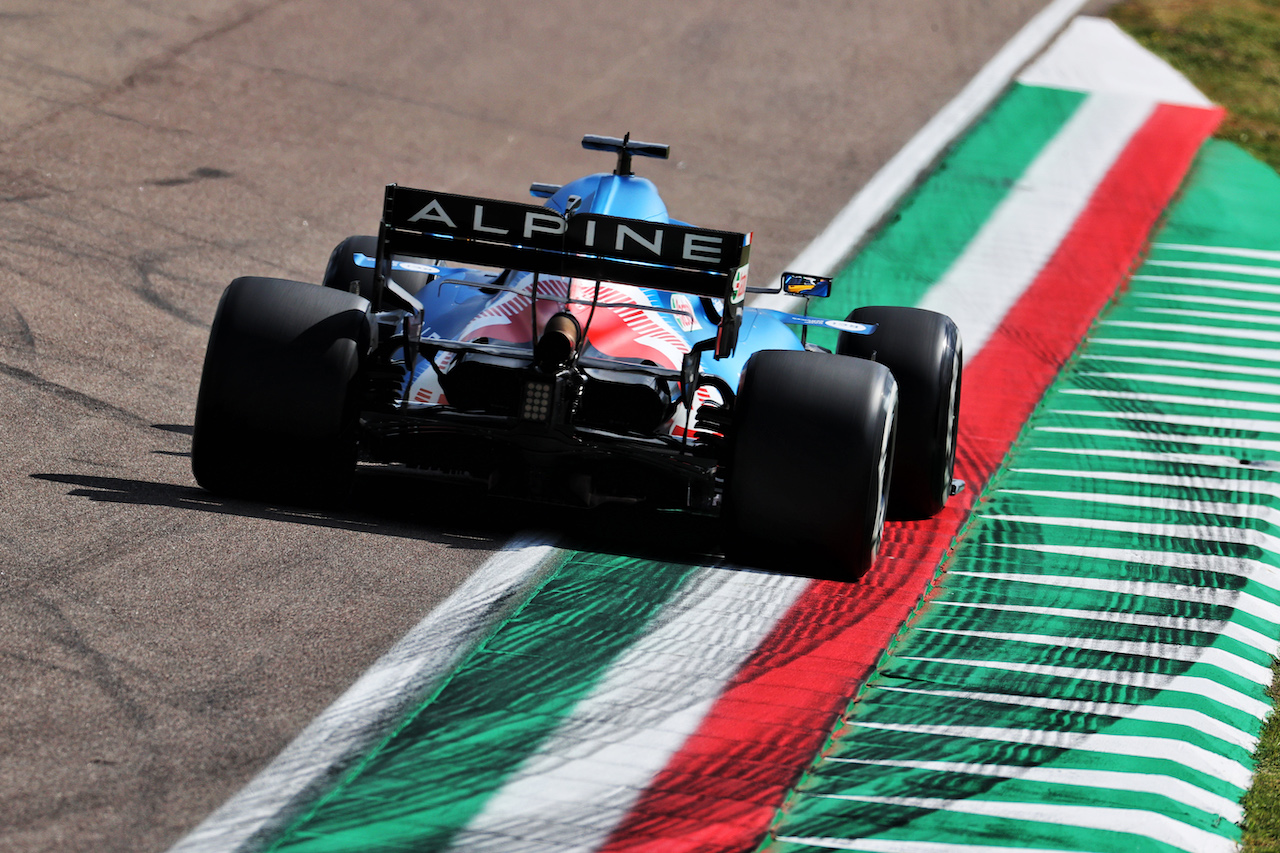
584,351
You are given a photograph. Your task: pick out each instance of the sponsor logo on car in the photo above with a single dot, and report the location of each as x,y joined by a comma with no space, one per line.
686,318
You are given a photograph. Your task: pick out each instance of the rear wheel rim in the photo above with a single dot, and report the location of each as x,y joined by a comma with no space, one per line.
952,416
882,473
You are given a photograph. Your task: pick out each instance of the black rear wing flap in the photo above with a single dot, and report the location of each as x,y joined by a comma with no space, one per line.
512,235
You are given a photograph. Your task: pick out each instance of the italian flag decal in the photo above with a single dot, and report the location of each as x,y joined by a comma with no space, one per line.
1072,657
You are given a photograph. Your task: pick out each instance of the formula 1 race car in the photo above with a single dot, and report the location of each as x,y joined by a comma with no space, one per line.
587,351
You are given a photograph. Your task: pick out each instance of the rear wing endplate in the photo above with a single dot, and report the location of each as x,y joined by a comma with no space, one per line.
511,235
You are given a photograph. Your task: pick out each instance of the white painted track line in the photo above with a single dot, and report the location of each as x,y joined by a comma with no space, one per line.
875,201
353,724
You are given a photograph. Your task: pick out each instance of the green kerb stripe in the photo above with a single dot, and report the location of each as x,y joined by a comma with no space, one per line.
936,222
1091,673
431,777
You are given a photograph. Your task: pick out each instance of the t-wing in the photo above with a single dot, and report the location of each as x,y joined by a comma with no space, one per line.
524,237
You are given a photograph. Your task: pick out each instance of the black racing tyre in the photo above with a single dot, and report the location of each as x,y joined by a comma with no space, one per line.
924,352
811,449
343,271
279,398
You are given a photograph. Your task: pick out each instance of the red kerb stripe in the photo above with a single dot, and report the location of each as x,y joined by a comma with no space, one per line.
825,647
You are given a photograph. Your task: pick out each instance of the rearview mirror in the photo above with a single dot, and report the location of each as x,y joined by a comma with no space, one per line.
798,284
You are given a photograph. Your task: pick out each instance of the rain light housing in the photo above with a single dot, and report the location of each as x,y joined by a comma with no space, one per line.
537,400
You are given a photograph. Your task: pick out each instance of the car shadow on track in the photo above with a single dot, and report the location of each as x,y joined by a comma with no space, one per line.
407,506
389,502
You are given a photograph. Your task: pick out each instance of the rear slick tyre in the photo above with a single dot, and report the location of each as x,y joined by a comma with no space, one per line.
279,394
811,449
924,352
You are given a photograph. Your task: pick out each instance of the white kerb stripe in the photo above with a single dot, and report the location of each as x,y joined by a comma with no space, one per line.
362,716
1242,352
1210,656
1200,460
605,758
1155,589
1028,226
1141,783
1239,424
1226,628
1234,510
1171,715
1173,438
1243,567
1183,328
1144,824
837,242
1177,400
1095,55
1203,366
1227,284
1179,752
1194,686
1201,533
894,845
1226,386
1239,252
1270,306
1209,266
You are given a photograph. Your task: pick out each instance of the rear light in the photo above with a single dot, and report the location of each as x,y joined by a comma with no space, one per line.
535,403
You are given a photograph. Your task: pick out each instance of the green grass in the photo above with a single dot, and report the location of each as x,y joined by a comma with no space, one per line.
1262,803
1230,49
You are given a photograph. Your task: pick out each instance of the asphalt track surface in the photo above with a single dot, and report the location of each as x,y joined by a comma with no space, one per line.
158,646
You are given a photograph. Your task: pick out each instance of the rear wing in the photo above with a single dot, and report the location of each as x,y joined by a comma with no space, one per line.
511,235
